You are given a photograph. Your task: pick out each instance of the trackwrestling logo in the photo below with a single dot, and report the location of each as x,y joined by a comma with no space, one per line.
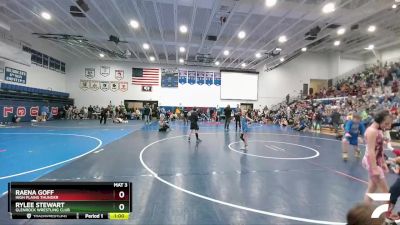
380,197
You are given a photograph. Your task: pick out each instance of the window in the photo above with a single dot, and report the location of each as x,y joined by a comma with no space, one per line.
62,67
52,64
37,58
44,60
58,65
26,49
33,57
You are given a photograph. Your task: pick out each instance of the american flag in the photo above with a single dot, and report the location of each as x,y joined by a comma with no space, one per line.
146,77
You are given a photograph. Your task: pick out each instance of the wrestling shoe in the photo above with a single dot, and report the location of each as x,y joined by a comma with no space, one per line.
391,218
357,154
345,156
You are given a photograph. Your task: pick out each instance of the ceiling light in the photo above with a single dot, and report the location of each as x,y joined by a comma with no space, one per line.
181,60
46,15
282,59
370,47
217,63
146,46
341,31
182,49
270,3
101,55
371,28
258,55
134,24
244,65
336,43
226,52
242,34
304,49
329,7
394,6
282,39
152,58
183,29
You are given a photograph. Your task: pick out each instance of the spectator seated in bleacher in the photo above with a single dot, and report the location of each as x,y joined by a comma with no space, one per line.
163,124
283,122
137,114
15,119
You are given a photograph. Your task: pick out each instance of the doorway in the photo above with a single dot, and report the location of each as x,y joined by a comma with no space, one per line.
139,104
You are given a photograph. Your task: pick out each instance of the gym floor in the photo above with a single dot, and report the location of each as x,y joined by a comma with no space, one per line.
285,177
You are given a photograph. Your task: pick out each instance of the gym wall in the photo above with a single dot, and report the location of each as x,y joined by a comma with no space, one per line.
37,77
184,95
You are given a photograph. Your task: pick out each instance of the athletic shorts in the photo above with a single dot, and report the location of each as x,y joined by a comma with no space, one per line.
44,114
194,126
366,165
353,140
245,128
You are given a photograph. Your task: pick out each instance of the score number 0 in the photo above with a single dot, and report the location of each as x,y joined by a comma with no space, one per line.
121,195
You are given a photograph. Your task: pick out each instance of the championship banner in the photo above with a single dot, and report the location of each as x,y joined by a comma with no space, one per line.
94,85
123,86
104,71
217,78
191,77
147,88
14,75
119,74
114,86
84,85
90,73
200,77
104,85
209,78
183,74
169,77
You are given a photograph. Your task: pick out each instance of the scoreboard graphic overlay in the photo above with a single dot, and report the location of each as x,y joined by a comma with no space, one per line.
70,200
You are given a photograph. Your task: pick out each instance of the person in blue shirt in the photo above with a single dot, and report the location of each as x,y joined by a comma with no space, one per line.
44,111
244,128
352,129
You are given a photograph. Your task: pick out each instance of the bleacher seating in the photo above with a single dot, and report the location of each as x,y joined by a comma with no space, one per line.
34,91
